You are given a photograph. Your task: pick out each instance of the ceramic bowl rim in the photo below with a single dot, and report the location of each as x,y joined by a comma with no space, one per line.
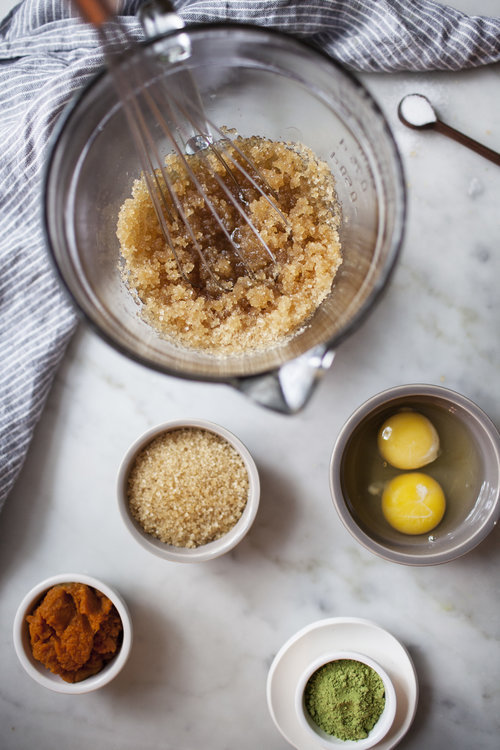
41,674
384,398
384,722
211,550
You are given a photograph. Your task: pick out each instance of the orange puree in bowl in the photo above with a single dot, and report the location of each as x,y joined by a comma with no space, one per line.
74,631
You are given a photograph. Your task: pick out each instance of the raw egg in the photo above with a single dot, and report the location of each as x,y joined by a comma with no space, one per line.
408,440
413,503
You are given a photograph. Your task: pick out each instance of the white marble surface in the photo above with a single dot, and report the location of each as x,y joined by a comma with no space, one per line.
206,634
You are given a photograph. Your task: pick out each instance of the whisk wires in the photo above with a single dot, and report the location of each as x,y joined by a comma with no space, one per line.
173,108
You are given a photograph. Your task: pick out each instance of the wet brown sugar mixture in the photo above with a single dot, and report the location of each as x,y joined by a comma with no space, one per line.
255,301
74,631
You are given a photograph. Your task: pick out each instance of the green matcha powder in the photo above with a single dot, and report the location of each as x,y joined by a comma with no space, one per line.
345,698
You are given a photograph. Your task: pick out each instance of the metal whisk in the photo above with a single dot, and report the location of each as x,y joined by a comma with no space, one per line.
175,110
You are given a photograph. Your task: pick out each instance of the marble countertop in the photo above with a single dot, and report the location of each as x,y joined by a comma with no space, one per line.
206,634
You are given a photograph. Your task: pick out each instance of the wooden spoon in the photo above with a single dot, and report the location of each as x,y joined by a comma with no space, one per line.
416,111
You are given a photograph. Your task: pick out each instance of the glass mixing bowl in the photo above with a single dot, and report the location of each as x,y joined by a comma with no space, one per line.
263,83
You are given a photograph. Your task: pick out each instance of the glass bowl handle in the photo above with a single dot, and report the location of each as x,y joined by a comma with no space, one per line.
289,388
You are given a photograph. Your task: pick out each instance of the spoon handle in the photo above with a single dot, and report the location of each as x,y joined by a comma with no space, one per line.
488,153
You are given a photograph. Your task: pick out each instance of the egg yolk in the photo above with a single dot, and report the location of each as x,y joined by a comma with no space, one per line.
413,503
408,440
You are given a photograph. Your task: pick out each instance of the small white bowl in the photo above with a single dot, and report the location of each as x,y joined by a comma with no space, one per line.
37,670
208,551
328,741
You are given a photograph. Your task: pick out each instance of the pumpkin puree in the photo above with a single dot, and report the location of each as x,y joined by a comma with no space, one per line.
74,631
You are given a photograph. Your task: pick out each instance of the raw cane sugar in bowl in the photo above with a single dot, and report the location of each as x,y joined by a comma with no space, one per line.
345,699
188,491
271,293
72,633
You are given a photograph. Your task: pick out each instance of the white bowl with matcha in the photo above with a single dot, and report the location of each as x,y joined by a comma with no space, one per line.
345,699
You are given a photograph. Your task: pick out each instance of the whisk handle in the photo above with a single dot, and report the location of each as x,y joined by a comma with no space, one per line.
95,12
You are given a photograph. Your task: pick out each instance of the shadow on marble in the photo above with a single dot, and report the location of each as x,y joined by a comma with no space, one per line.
155,653
487,550
277,511
25,515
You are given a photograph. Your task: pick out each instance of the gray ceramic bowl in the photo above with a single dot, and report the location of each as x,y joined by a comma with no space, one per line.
470,443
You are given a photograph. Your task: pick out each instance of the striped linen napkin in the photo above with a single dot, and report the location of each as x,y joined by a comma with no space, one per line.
47,53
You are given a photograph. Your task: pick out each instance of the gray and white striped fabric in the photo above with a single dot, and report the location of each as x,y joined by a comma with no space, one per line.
47,53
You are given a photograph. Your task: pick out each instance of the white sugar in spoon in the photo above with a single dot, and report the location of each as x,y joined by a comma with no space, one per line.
416,111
